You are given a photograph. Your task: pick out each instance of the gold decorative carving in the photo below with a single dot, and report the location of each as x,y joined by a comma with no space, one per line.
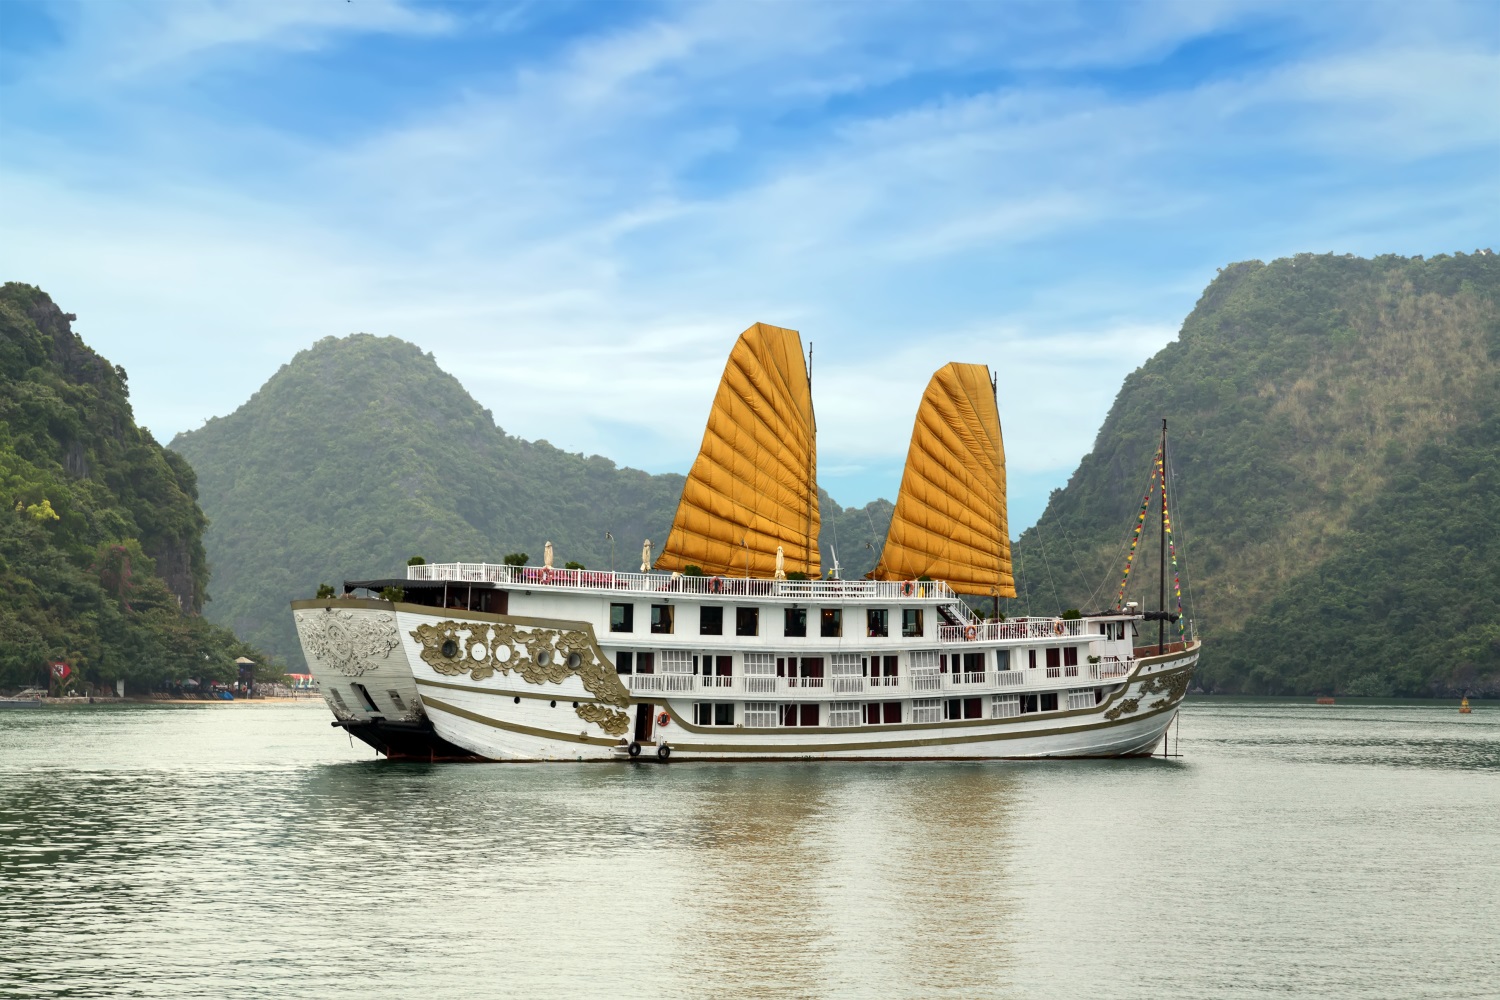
612,722
345,641
540,655
1172,686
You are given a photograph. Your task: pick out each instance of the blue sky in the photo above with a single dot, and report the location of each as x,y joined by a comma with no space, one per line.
577,207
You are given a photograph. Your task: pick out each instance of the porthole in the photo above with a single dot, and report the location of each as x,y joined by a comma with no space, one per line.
450,648
518,699
476,652
554,704
575,704
543,658
574,661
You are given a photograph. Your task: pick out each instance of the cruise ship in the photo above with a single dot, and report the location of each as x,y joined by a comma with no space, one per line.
732,645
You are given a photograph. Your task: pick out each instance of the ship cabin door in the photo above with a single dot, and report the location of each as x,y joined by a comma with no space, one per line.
643,722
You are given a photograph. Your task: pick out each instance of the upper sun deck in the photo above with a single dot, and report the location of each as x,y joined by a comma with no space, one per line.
711,587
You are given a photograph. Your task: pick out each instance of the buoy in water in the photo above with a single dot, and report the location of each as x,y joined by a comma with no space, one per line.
1325,701
1463,707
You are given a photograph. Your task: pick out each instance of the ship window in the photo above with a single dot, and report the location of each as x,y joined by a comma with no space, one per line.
711,619
832,624
1049,701
796,623
927,710
622,617
1028,703
911,623
645,663
1031,659
799,715
882,713
844,713
876,623
714,713
1054,662
624,662
1004,706
747,621
661,619
965,708
760,714
1082,699
1002,659
973,663
1070,660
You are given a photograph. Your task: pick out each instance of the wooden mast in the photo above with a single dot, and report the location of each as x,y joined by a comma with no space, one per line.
1161,623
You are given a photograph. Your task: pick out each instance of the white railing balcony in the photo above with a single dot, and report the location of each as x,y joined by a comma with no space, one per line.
967,679
718,681
680,682
1110,666
847,685
1009,678
1015,628
893,591
760,684
646,683
1054,671
926,681
802,683
887,681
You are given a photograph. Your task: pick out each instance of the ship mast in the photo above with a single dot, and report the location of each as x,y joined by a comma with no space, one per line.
1161,623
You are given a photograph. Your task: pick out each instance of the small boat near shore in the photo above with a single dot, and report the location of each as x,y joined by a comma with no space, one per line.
732,646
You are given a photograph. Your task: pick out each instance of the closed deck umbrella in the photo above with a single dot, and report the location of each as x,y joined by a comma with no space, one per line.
646,556
780,563
547,555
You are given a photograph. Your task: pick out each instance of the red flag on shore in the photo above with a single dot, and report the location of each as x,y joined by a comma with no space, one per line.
61,670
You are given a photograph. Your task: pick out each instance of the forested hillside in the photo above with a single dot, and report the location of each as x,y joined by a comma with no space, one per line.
1335,444
101,555
362,452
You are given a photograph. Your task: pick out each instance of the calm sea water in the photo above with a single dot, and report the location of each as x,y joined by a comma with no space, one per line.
223,851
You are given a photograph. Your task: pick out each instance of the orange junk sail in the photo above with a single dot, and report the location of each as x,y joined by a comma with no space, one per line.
754,484
950,521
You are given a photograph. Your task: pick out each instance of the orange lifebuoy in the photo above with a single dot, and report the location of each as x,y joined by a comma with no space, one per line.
1057,629
546,575
970,633
906,589
663,719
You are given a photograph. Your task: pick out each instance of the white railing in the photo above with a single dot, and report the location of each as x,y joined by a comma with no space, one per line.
926,681
1015,628
1009,678
1054,671
1110,666
660,683
760,684
718,681
804,682
885,681
847,685
972,677
663,583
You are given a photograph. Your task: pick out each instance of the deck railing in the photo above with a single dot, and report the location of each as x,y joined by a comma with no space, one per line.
920,683
663,583
1015,628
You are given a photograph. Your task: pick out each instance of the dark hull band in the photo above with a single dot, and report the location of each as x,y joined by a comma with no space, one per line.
406,741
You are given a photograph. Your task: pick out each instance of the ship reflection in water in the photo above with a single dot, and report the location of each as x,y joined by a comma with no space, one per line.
241,851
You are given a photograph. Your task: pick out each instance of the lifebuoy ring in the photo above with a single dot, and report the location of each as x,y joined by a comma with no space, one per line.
546,575
1057,629
906,589
717,586
970,633
663,719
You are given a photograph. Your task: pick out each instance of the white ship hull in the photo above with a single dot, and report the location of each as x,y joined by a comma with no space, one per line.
523,688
